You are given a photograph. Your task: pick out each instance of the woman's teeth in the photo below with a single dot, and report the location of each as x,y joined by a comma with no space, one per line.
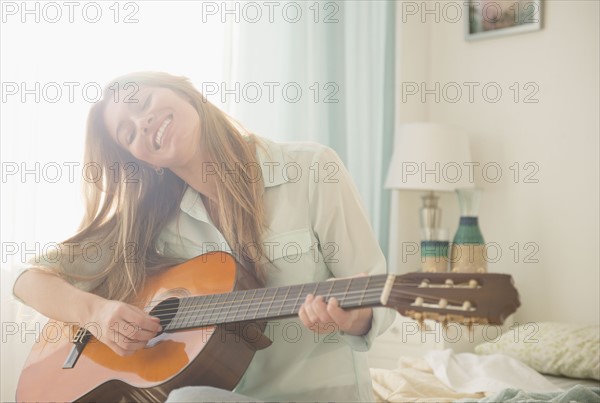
160,132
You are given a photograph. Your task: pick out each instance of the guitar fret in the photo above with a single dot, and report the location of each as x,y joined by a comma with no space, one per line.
329,292
192,312
284,300
237,311
260,303
296,307
200,309
178,318
164,314
201,302
197,308
180,315
211,308
230,303
343,302
250,303
362,297
219,306
271,304
204,306
338,288
224,304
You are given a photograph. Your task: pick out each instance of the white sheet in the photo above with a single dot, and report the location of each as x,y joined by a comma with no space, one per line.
471,373
413,381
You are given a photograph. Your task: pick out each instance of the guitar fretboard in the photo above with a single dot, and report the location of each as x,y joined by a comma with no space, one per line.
269,303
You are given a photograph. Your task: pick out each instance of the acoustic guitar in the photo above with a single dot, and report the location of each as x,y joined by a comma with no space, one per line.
213,318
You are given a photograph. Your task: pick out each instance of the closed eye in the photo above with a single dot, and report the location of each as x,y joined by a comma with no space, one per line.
147,102
129,137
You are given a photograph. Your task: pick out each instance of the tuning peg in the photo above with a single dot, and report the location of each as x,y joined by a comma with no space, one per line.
424,283
449,282
418,316
473,283
419,301
443,303
466,305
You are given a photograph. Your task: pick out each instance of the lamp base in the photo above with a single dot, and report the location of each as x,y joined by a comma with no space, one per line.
431,217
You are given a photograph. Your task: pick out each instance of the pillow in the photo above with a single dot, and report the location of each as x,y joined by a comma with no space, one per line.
551,348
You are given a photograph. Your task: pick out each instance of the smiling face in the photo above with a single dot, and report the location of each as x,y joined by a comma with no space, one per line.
156,125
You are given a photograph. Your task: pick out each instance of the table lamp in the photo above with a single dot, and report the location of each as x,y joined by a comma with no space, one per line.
431,158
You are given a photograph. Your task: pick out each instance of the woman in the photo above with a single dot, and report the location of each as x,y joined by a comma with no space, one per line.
180,178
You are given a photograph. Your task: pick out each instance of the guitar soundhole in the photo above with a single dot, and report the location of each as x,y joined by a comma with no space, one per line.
166,311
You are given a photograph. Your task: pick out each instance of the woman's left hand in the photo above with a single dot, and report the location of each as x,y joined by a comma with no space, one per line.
321,317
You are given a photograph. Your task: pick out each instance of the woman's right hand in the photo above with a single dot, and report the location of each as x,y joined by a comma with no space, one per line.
122,327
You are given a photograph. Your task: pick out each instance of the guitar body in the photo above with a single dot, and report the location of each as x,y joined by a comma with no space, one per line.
214,355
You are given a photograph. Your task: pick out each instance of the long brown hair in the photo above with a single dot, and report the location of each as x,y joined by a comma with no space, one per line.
127,209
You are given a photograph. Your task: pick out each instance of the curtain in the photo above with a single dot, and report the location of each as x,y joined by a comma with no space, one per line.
324,72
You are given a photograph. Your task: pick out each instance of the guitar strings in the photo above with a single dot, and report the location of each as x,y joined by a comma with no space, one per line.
290,289
150,303
369,281
345,297
254,308
239,292
214,305
256,305
258,301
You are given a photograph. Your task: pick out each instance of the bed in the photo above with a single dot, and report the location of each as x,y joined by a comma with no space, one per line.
566,357
546,361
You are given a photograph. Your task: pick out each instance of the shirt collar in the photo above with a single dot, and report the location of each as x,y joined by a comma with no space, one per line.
270,158
192,204
272,163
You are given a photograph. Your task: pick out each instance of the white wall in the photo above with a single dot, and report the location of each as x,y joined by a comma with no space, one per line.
556,219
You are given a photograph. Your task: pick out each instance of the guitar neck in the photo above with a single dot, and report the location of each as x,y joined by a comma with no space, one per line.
271,303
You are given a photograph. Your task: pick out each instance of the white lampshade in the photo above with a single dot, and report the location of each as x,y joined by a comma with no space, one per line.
430,156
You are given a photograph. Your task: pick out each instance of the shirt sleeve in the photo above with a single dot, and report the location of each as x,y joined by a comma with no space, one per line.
345,235
62,260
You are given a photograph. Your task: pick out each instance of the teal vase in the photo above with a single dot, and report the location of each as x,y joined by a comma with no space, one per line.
468,231
468,247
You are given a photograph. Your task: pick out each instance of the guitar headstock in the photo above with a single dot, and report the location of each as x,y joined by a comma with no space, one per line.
467,298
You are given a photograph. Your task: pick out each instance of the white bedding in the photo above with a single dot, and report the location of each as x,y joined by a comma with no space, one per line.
472,373
415,380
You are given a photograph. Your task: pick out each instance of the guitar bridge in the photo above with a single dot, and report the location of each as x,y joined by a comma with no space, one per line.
79,342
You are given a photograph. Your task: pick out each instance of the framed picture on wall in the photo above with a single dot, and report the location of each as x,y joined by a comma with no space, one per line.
493,18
